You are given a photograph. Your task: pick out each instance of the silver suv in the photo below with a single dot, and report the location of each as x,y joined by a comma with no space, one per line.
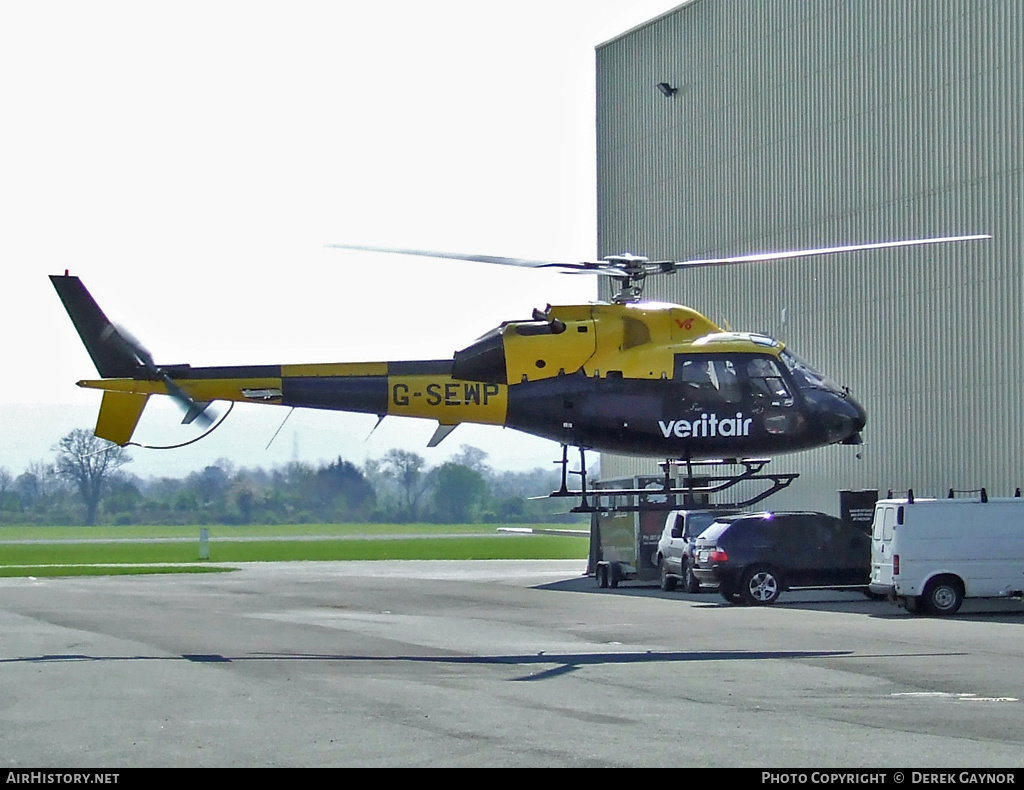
674,555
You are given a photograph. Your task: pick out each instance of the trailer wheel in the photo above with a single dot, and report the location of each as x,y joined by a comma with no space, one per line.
602,575
668,583
942,596
614,575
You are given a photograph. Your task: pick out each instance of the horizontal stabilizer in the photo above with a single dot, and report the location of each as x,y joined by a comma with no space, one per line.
119,414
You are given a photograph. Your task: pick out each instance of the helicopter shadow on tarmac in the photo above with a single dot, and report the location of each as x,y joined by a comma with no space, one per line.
563,662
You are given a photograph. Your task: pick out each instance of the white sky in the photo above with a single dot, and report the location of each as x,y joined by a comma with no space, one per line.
190,160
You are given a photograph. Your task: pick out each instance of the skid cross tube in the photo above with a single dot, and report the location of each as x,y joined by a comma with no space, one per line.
665,496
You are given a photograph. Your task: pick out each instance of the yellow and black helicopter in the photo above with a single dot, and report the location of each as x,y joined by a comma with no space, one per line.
627,376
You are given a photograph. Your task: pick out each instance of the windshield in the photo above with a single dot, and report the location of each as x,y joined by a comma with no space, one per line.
805,376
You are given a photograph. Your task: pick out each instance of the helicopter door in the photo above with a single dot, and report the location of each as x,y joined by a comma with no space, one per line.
771,399
707,383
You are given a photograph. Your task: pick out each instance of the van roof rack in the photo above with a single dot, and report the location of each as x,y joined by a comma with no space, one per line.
981,491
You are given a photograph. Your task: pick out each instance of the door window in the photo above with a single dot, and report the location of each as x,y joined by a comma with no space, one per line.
766,382
888,523
708,382
876,524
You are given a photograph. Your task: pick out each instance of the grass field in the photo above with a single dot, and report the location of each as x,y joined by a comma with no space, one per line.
65,551
9,533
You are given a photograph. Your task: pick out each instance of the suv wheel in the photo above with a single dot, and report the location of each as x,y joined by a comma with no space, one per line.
690,582
761,586
668,583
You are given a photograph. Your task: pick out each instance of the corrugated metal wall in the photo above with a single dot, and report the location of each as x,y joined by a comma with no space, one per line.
803,123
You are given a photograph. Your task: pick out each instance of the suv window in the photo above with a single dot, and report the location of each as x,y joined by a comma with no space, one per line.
792,534
673,525
696,523
714,532
838,536
745,527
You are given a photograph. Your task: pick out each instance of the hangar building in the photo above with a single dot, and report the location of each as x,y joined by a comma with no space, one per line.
807,123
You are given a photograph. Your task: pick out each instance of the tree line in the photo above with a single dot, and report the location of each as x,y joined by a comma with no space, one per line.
87,482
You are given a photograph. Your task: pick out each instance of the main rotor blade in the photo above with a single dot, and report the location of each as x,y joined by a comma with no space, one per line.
778,256
463,257
630,267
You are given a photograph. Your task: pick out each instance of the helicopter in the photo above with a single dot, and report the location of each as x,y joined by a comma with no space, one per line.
627,376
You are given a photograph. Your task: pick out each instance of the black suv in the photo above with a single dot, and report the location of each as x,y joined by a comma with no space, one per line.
755,557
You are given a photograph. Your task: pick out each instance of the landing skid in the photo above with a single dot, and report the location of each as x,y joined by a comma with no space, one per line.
697,486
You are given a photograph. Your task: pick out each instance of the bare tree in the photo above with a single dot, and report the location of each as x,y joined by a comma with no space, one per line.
6,485
406,467
87,462
472,458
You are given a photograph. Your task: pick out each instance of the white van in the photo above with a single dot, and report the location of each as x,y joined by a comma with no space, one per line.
930,554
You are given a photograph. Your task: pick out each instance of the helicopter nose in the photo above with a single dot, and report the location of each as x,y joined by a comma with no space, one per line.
850,419
841,418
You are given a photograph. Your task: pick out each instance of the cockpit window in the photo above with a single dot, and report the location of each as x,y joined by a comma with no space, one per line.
766,381
806,376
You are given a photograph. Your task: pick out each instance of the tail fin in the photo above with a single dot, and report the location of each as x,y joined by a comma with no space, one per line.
112,360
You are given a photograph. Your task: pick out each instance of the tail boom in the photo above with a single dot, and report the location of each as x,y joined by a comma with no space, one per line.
409,389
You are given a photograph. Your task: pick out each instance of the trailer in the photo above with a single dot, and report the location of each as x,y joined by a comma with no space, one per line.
624,533
627,516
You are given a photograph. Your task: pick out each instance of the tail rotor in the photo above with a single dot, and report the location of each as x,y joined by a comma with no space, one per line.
115,351
121,339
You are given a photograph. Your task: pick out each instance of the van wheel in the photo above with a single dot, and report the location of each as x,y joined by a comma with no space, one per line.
942,596
761,586
668,583
690,582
